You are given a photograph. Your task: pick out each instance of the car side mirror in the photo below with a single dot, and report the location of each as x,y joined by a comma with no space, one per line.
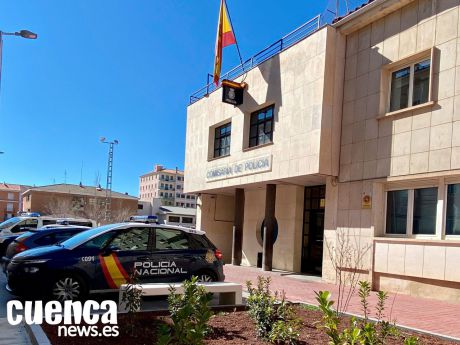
109,250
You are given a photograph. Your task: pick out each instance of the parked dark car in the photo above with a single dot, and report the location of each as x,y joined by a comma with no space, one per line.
45,236
101,259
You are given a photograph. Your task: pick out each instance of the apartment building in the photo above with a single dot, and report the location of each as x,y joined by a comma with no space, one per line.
166,185
10,197
347,142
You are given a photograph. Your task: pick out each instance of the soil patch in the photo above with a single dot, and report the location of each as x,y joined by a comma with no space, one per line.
228,327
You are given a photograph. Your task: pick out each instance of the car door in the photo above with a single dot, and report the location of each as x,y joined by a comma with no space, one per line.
170,255
124,254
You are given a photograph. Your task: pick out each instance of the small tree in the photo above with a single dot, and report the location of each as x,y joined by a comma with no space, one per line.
347,258
190,314
132,298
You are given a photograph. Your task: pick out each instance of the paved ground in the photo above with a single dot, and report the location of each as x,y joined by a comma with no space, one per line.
423,314
9,334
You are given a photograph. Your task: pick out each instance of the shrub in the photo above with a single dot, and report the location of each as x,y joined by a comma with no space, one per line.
364,332
132,298
275,321
189,313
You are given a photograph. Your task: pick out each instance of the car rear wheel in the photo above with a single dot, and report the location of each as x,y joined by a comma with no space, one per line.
68,288
206,277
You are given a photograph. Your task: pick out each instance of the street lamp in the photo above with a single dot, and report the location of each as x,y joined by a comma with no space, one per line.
108,188
22,33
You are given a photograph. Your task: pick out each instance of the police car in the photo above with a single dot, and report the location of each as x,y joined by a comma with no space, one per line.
102,259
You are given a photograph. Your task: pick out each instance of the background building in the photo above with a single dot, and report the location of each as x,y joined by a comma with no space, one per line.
10,197
67,200
167,185
346,147
177,216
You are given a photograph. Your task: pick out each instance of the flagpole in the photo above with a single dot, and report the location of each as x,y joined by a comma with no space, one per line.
234,34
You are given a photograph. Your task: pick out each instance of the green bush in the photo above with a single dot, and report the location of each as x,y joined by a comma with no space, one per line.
132,298
189,313
275,320
363,332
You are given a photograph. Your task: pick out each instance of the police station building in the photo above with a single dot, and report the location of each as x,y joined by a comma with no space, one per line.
348,132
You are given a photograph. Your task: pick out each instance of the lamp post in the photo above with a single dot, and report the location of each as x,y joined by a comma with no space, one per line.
22,33
108,188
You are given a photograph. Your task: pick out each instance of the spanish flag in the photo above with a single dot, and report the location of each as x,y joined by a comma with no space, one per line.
225,37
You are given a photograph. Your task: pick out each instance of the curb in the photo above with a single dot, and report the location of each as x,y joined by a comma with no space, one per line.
36,335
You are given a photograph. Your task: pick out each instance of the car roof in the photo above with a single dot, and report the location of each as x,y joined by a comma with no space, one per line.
63,227
166,226
56,218
96,232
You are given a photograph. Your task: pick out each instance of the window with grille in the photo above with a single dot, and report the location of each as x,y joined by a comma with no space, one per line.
222,139
261,127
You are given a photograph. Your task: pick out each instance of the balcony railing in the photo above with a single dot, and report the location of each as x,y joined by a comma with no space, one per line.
282,44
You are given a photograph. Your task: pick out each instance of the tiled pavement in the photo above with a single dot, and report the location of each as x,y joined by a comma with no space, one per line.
12,335
423,314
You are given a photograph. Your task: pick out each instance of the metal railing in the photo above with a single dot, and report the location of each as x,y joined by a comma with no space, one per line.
282,44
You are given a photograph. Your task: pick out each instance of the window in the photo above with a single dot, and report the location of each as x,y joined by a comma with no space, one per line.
261,127
412,212
10,196
397,212
45,240
410,86
453,210
9,207
140,206
222,139
179,186
187,220
424,219
96,243
174,219
170,239
134,239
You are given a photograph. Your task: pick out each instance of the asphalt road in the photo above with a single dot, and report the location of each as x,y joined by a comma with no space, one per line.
5,296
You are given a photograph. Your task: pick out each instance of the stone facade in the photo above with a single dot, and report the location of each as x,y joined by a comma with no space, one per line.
333,127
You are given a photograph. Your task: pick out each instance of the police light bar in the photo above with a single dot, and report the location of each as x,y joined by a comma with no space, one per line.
143,219
29,214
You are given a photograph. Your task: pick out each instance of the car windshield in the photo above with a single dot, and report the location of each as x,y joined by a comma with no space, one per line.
87,235
10,222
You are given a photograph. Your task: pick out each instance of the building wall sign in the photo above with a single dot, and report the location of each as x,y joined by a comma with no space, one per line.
242,168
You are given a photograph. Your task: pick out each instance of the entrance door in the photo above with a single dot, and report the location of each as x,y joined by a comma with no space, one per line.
313,230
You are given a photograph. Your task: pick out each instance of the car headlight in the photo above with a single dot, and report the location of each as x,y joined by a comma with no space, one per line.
33,262
32,269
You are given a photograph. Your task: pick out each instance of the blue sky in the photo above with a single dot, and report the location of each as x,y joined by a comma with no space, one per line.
122,69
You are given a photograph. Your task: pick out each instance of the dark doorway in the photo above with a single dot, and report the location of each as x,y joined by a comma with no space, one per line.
313,230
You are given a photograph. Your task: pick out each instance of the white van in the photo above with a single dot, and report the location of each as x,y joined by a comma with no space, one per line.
18,225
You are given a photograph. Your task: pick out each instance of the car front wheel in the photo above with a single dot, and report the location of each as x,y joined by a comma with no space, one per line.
68,288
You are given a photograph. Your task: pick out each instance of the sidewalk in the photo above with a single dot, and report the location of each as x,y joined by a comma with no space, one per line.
10,335
424,314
